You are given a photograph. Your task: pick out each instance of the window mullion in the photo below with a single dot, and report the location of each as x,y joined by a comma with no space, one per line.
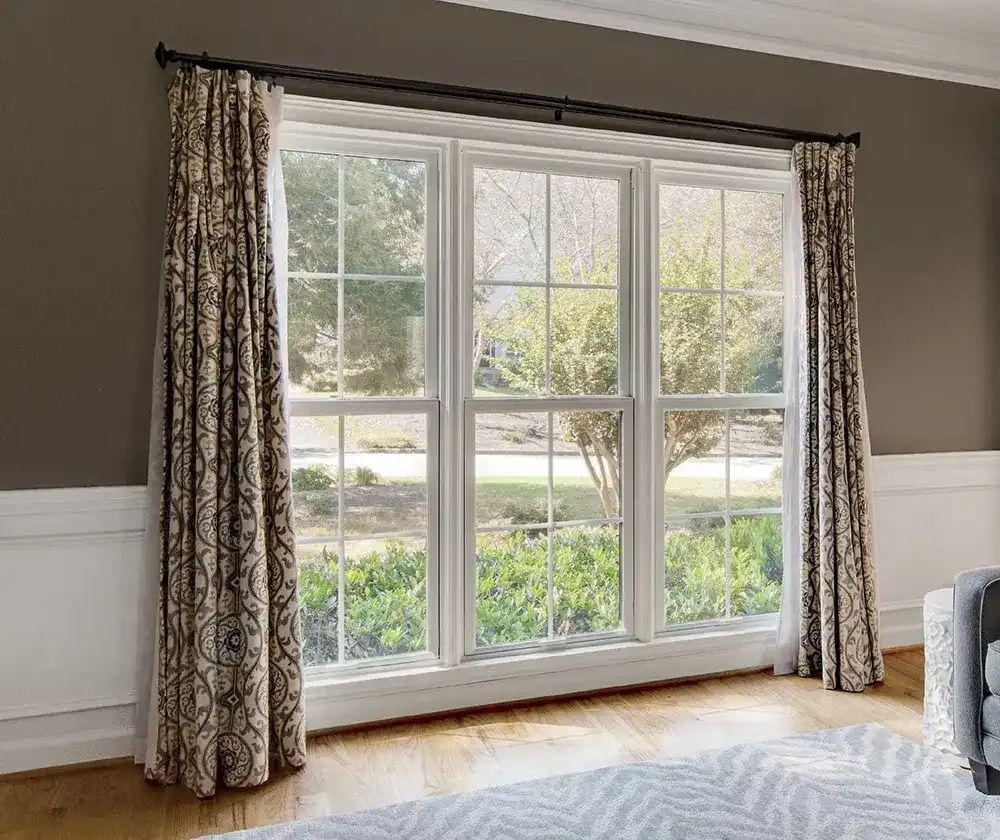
341,547
728,520
548,290
727,414
341,262
722,293
452,297
550,599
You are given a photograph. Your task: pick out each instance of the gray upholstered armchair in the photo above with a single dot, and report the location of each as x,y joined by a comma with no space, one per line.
977,674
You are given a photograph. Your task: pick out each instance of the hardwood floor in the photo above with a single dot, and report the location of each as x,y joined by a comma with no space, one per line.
363,769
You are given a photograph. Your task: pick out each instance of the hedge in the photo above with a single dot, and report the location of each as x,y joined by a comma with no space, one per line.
385,588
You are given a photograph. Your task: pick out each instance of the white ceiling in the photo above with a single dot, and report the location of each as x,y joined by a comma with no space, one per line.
954,40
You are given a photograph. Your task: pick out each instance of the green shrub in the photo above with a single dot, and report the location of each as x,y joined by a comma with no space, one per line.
695,569
315,477
318,609
511,578
518,436
385,590
384,593
386,440
364,476
320,503
531,513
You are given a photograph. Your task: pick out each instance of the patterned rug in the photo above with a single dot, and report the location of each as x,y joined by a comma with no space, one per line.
860,782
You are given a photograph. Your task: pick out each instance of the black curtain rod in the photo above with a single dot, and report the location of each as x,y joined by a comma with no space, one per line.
496,97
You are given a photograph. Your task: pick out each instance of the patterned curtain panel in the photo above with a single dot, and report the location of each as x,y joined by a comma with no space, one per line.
228,685
839,620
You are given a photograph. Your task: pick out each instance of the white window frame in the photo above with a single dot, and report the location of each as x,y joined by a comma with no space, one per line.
780,184
532,160
431,155
647,651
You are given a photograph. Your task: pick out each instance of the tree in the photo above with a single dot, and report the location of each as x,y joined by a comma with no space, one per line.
516,214
383,235
584,360
690,324
583,325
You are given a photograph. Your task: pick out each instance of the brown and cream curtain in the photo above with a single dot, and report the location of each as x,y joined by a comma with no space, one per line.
227,681
838,631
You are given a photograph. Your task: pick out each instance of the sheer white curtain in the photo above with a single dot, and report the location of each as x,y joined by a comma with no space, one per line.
279,219
786,656
145,724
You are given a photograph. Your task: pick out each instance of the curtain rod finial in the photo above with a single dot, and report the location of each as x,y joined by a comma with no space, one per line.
163,55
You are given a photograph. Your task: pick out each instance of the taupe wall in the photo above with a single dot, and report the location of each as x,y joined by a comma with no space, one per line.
83,145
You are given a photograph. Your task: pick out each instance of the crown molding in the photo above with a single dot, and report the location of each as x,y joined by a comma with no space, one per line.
866,35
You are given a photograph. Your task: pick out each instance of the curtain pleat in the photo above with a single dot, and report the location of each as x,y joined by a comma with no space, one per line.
838,632
228,682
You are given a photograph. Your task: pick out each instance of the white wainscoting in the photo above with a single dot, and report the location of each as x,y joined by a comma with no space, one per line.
70,563
69,611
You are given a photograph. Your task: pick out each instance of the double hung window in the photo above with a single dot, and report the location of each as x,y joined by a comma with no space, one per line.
537,387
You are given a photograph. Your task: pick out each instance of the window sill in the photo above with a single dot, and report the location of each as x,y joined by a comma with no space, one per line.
354,698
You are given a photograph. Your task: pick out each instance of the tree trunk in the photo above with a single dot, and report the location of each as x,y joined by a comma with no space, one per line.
477,353
608,496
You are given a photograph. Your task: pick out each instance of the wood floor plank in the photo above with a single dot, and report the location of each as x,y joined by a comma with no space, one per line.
360,769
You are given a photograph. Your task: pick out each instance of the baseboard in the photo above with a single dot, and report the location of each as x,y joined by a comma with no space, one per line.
65,750
67,688
66,737
901,625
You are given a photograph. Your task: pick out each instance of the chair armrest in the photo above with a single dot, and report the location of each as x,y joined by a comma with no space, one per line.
976,624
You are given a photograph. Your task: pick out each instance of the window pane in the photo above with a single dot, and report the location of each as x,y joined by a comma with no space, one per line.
584,227
753,344
584,341
690,237
690,343
311,191
512,469
509,219
694,462
386,598
753,240
756,445
318,602
312,336
511,587
384,209
509,340
586,465
383,338
385,465
695,570
586,574
315,493
756,564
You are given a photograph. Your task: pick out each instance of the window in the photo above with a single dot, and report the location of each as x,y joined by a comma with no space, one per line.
549,408
721,335
537,388
362,256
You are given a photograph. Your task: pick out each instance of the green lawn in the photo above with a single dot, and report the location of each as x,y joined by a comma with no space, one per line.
400,504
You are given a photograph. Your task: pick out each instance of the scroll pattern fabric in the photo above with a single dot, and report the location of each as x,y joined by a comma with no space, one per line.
839,616
228,693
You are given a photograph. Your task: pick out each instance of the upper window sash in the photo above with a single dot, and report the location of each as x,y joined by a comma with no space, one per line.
718,296
550,170
431,156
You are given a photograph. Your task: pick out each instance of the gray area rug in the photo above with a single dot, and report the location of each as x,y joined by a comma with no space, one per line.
860,782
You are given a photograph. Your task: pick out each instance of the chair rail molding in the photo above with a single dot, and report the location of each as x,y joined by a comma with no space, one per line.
72,563
949,40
